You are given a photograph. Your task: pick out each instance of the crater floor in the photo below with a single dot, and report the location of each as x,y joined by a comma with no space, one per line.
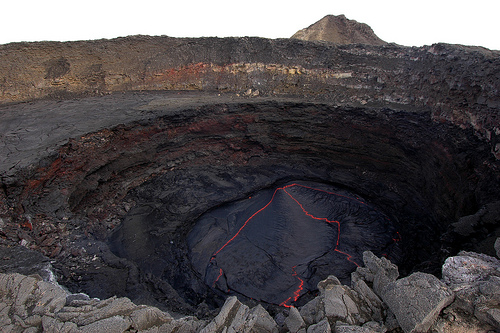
277,244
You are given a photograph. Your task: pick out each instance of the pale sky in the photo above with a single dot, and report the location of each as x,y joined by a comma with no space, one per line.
405,22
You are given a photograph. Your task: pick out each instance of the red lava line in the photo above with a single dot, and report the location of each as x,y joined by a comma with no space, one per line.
218,277
299,289
317,218
307,213
245,224
348,257
296,293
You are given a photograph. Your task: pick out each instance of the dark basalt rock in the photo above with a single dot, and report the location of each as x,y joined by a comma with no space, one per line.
110,187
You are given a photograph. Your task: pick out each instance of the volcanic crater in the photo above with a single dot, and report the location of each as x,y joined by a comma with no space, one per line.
250,185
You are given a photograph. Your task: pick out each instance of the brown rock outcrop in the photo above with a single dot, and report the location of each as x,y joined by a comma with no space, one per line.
339,30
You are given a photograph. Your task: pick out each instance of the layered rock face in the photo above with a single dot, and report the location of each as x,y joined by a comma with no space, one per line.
458,84
110,181
339,30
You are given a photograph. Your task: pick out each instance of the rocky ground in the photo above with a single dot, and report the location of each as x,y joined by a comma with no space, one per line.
466,299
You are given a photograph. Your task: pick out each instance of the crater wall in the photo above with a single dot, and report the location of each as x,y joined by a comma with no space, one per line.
146,182
459,84
112,149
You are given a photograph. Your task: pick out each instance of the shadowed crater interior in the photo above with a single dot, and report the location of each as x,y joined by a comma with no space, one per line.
279,243
261,198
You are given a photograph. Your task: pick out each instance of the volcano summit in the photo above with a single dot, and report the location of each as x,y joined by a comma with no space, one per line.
178,171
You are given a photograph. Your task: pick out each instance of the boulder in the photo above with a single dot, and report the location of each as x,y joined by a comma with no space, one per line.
390,321
417,300
321,327
259,321
456,320
343,328
146,317
50,298
383,271
375,327
52,325
369,327
327,283
313,311
294,321
375,306
475,278
231,317
30,295
341,303
187,324
104,309
115,324
336,302
234,317
469,267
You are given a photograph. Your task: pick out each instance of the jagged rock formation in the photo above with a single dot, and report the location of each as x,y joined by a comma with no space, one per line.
28,304
339,30
109,162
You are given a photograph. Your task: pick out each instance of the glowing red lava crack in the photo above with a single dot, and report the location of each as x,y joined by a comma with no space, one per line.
298,290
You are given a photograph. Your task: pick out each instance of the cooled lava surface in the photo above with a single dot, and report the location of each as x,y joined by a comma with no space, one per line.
279,243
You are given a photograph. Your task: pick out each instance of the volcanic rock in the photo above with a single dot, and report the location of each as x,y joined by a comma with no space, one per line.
339,30
469,268
19,259
294,321
375,306
475,278
57,310
370,327
336,302
237,317
321,327
29,302
121,146
417,300
380,271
